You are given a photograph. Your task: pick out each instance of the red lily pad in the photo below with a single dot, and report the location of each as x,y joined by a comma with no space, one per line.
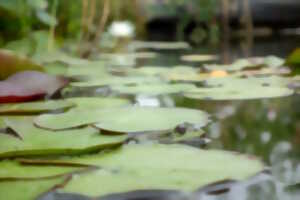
29,86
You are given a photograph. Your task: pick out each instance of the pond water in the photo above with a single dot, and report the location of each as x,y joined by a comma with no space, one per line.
106,115
267,128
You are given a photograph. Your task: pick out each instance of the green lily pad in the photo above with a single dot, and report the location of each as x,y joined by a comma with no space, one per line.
166,167
125,120
275,81
27,189
161,71
115,80
235,66
13,170
269,61
2,124
98,102
238,93
273,61
35,107
153,89
56,69
95,69
34,141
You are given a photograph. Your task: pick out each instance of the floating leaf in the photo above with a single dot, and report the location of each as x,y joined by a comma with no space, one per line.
237,65
124,120
59,57
34,141
238,93
98,102
153,89
165,167
198,58
56,69
18,88
28,189
142,119
233,82
114,80
269,61
273,61
35,107
14,170
93,69
11,64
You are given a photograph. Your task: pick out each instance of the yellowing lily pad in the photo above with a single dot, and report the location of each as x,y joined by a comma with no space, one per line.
11,63
159,167
34,141
125,120
35,107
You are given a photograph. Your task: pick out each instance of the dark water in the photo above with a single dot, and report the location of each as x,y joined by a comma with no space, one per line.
266,128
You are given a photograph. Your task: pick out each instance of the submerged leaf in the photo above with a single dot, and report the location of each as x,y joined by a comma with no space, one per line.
34,141
28,86
125,120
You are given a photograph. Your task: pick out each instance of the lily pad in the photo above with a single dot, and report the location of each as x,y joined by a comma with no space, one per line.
98,102
14,170
115,80
11,63
35,107
93,69
270,61
17,88
153,89
28,189
33,141
125,120
238,93
275,81
164,167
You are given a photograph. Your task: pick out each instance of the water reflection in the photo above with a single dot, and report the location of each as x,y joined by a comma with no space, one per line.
268,128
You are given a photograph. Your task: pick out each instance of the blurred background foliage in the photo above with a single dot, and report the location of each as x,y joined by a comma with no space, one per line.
29,25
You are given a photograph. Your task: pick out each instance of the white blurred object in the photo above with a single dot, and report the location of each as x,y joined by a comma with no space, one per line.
122,29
